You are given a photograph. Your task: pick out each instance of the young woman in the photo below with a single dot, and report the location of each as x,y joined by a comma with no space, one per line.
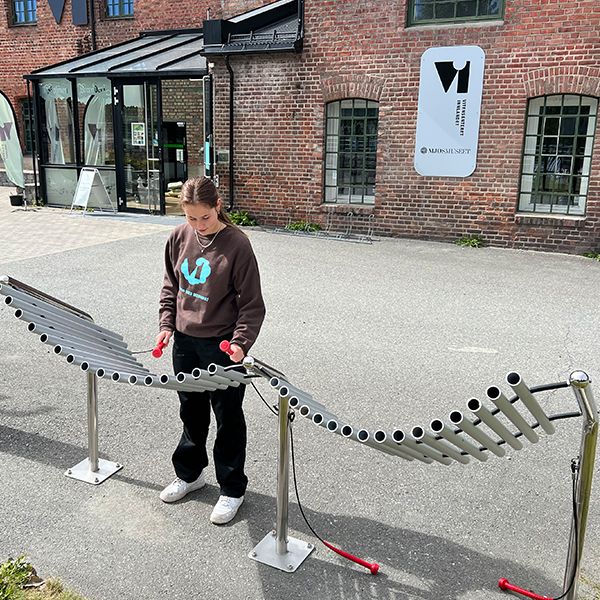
211,292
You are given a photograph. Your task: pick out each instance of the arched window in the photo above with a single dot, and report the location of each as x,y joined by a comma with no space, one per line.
351,151
557,154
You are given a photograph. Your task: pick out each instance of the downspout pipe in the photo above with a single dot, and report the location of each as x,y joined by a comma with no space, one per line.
93,24
231,140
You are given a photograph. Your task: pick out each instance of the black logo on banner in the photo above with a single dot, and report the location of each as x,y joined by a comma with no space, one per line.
447,74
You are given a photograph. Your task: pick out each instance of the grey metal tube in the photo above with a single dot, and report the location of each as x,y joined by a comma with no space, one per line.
381,437
81,356
93,364
214,369
206,376
422,436
512,414
92,421
74,338
439,427
458,419
399,438
58,338
475,406
411,444
516,383
283,466
347,431
277,383
580,383
196,386
25,301
332,425
198,381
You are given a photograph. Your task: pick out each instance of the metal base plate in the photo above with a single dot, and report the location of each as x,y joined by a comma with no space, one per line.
82,471
266,552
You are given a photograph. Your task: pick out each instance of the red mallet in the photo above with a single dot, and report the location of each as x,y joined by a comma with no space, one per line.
226,347
158,351
373,567
504,584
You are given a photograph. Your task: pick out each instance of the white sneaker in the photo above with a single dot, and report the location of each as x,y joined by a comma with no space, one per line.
225,509
180,488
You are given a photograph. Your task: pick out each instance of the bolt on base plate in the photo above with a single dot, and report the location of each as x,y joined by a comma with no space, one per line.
82,471
266,552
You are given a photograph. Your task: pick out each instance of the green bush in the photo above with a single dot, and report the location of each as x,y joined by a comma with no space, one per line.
241,217
470,241
14,574
594,255
303,226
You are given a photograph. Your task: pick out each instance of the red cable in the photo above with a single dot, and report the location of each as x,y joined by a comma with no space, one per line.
373,567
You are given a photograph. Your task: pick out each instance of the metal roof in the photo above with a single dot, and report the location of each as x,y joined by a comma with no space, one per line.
154,53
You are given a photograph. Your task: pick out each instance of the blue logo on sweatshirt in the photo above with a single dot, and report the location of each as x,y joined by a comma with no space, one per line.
193,278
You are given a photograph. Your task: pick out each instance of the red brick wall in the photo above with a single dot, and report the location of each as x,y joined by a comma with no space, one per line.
364,49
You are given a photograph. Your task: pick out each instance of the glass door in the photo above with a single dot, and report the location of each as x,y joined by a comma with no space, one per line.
137,106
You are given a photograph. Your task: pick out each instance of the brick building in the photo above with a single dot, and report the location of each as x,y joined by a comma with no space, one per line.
330,112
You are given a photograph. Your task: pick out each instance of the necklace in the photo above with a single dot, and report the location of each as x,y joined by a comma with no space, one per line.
205,246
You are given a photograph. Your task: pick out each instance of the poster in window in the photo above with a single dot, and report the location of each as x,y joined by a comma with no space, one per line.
449,109
138,134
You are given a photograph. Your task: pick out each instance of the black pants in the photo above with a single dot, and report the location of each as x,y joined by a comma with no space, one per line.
229,452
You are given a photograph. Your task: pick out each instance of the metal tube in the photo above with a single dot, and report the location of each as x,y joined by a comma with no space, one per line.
215,369
192,386
94,364
206,376
38,307
58,338
278,383
439,427
422,436
283,474
501,401
81,357
92,421
399,437
404,440
198,381
458,419
580,383
475,406
381,437
516,383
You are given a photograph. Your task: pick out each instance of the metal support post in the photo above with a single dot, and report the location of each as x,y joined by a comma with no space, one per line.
580,382
276,549
93,469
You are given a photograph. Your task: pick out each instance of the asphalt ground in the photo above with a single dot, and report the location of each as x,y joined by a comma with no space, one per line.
386,335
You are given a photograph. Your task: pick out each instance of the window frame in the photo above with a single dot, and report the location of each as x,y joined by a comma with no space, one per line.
120,4
30,14
27,117
413,22
535,130
333,163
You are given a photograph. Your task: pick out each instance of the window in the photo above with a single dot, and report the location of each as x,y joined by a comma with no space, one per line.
559,138
28,124
24,11
119,8
451,11
350,151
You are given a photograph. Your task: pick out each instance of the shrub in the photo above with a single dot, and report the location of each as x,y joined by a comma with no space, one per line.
470,241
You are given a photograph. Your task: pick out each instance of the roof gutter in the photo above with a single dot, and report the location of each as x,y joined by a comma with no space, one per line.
231,140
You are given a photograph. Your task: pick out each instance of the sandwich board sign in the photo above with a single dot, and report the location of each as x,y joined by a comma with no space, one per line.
91,193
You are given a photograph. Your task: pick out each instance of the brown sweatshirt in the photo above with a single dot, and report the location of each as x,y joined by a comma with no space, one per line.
213,292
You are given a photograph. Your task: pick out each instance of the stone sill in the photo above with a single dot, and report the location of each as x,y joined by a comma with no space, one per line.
550,220
344,209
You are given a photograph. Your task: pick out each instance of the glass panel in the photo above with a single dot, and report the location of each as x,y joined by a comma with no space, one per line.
60,186
140,147
94,98
466,8
444,10
423,10
58,140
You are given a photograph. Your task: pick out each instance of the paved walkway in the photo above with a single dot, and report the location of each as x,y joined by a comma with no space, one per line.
27,233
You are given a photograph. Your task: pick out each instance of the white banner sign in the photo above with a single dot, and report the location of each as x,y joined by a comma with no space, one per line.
450,91
10,147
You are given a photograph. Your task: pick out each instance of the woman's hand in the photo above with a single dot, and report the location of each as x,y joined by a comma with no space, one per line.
236,353
163,338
